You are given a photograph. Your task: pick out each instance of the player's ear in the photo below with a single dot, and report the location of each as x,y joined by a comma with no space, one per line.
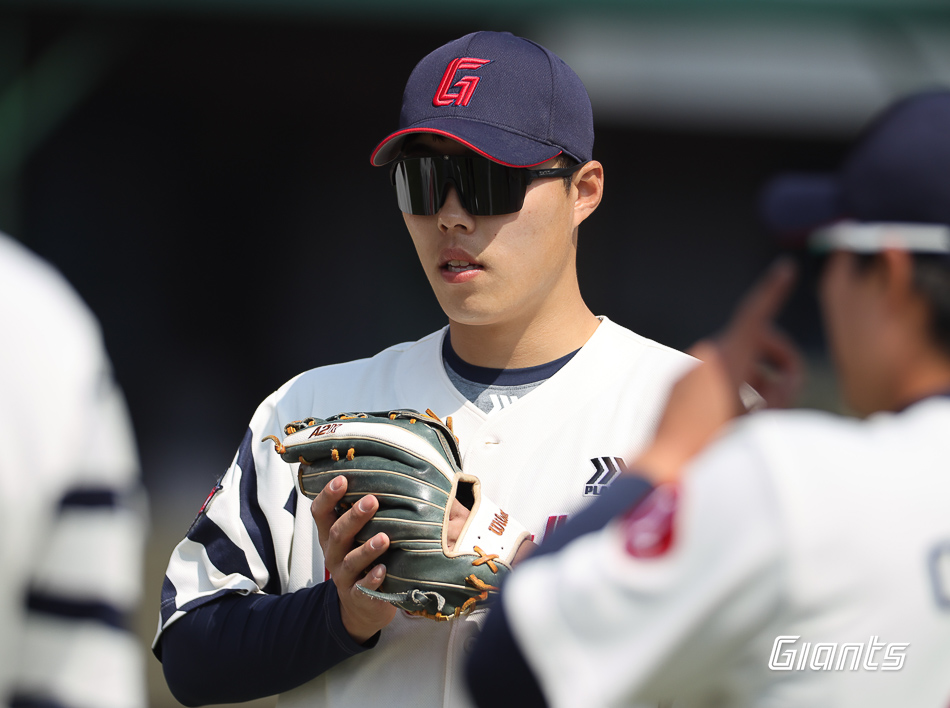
897,275
903,301
588,189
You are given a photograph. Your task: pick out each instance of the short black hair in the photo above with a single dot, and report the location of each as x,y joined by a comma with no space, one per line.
563,160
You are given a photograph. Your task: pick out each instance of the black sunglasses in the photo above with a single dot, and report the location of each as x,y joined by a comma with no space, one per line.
485,188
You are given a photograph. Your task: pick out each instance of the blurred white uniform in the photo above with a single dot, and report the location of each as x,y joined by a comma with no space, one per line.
72,517
809,565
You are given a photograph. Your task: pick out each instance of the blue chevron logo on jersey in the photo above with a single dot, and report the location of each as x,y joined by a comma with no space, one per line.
606,469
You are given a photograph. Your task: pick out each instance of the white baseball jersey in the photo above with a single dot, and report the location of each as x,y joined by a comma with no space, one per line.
803,560
72,513
542,457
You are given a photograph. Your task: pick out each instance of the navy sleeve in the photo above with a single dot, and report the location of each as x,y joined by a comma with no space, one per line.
496,660
241,647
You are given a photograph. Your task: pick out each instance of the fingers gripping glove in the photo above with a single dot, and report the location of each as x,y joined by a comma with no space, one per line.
411,463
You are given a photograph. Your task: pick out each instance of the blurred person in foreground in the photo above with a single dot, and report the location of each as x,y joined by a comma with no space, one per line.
786,558
72,510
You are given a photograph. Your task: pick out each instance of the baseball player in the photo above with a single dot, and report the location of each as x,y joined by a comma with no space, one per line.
72,509
794,558
493,171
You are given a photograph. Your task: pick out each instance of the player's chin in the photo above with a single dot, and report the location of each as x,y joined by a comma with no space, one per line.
469,305
469,313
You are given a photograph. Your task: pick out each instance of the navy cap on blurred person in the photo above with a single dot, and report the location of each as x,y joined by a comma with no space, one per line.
892,190
503,96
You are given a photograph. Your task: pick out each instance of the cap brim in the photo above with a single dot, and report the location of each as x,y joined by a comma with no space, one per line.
506,148
793,205
860,237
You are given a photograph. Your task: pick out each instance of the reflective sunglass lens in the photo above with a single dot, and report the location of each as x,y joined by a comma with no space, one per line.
485,188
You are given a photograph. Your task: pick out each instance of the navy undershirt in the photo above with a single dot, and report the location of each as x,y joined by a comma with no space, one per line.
242,647
501,377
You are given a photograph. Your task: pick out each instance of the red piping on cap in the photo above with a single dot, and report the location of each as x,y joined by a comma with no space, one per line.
408,131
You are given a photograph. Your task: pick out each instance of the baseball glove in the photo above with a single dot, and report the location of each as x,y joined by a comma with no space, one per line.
410,462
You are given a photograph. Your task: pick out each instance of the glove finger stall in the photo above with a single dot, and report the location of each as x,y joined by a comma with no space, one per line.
401,531
372,477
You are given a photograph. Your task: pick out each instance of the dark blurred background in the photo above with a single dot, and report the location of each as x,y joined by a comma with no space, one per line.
200,171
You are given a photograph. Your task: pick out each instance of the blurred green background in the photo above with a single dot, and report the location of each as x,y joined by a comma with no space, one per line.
199,168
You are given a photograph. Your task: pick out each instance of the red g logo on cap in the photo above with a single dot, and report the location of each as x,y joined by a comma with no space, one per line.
466,85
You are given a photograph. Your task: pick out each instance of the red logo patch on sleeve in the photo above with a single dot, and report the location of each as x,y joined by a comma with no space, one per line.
648,527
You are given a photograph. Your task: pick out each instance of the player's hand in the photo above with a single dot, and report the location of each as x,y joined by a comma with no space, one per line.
362,616
524,552
706,398
458,515
752,349
779,374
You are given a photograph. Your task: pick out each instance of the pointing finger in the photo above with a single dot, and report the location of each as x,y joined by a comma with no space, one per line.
741,342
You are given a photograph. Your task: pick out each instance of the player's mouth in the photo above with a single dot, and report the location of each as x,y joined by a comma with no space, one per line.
460,266
456,268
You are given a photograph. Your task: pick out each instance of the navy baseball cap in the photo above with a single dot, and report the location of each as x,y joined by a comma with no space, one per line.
892,189
503,96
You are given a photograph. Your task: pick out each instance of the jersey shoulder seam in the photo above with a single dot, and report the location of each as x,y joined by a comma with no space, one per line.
645,342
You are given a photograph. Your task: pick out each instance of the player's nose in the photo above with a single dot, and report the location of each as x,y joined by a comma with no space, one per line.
453,216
